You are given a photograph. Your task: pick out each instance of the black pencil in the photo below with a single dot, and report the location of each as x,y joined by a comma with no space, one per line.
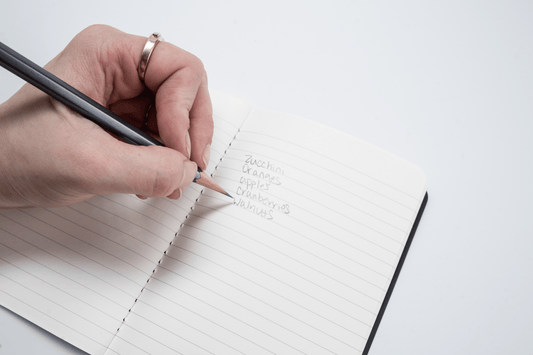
84,105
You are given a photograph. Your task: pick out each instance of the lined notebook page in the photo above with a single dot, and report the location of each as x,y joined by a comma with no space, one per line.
229,114
299,263
75,271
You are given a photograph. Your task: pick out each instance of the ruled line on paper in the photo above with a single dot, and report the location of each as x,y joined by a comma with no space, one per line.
357,221
327,183
144,202
217,140
56,272
99,249
275,293
218,118
240,306
323,245
295,260
200,259
304,264
103,236
295,274
157,207
71,250
108,350
95,213
74,314
198,315
391,238
416,199
101,312
177,335
90,202
84,271
368,313
349,232
259,152
118,335
54,319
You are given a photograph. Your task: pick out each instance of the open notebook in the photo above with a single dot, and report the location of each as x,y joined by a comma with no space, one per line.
301,262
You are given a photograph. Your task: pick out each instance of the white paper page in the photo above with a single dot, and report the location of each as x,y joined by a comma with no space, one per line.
298,264
229,114
75,271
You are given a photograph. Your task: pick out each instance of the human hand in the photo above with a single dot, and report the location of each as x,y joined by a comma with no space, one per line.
51,156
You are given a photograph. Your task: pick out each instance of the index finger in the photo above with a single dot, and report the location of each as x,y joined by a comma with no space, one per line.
183,104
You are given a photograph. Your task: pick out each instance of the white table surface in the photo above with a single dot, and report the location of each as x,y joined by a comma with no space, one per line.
447,85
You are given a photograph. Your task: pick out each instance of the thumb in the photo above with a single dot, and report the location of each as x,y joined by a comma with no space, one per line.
150,171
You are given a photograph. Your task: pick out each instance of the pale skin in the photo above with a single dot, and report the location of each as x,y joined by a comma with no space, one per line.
51,156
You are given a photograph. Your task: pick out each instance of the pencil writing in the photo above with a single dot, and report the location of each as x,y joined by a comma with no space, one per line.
254,191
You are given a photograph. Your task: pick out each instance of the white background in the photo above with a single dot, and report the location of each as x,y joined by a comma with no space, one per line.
447,85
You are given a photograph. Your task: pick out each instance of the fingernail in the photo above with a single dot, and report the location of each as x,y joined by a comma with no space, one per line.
207,154
188,140
181,192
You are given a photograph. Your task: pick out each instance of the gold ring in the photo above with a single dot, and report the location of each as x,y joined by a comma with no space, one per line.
152,41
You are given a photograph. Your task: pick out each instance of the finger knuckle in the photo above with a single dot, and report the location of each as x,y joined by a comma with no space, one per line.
87,37
165,176
196,63
96,29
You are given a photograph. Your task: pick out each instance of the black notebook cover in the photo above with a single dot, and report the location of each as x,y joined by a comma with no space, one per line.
395,277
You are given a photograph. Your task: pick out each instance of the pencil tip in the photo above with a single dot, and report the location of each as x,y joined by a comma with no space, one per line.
206,181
